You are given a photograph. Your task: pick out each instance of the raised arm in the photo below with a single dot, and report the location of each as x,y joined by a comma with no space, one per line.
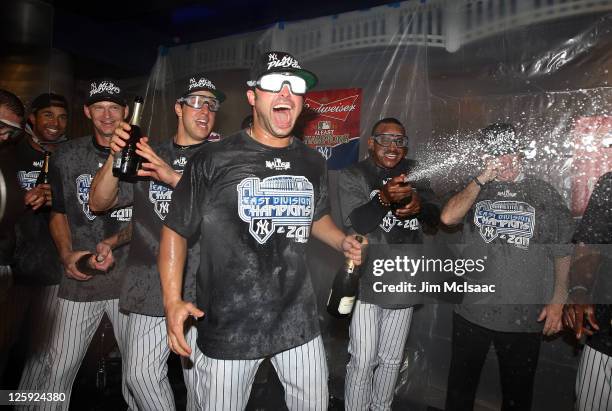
458,205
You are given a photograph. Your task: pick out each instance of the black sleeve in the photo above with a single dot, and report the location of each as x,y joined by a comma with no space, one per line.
359,212
185,212
55,180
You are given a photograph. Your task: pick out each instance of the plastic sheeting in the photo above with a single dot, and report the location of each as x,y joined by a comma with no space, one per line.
551,79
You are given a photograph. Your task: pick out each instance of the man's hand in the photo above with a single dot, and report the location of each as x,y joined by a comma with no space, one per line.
574,316
176,314
490,171
38,196
155,167
103,259
120,137
353,249
395,190
69,261
552,313
412,208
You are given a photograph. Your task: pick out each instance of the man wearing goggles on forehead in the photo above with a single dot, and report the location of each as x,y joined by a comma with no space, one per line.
141,295
9,131
376,201
257,197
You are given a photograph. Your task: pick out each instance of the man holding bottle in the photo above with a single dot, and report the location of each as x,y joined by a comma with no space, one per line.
256,196
162,166
376,201
77,231
36,268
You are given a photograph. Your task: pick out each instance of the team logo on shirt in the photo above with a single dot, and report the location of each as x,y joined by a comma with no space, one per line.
513,221
83,183
160,195
390,220
27,179
180,162
278,164
281,204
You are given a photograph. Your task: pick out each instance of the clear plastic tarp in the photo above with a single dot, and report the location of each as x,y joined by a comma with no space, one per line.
445,69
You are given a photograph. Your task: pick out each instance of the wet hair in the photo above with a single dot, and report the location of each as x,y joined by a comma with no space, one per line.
13,103
388,120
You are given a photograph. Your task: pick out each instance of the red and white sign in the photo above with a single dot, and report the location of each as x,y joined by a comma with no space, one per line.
331,119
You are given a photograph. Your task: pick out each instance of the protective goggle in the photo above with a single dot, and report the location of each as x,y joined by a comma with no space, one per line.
274,82
197,101
385,140
9,130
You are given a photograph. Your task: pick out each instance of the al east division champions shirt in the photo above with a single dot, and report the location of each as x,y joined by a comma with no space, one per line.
254,205
71,171
141,289
519,227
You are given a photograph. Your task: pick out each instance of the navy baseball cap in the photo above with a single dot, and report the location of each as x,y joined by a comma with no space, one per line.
201,83
280,62
48,100
105,90
499,139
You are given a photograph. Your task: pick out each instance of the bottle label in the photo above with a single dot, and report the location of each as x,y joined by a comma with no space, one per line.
346,305
117,160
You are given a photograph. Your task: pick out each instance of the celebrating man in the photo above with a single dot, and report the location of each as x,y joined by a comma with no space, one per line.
256,196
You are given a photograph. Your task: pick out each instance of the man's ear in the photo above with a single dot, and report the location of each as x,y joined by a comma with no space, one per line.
32,118
126,111
86,111
251,97
178,109
370,143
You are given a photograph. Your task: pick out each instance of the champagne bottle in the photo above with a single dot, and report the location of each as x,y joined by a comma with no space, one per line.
43,176
83,265
126,162
344,289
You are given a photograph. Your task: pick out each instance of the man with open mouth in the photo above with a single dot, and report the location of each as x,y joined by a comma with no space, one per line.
256,196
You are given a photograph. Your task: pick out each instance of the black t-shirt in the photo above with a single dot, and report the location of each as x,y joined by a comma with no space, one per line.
36,260
362,212
596,228
521,227
71,171
254,205
141,289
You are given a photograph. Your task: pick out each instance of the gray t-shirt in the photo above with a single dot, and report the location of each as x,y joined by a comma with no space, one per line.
361,212
521,227
141,289
254,206
71,171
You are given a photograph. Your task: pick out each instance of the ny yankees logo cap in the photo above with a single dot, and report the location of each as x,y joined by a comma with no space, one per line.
201,83
499,139
105,90
280,62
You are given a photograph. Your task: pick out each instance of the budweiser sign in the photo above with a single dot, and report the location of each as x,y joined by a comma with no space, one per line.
338,109
332,125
